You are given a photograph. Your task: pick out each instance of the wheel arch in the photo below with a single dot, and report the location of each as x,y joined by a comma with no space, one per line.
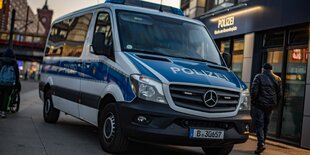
108,98
113,94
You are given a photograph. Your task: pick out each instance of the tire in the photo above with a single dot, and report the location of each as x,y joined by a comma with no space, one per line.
15,104
112,138
50,114
218,150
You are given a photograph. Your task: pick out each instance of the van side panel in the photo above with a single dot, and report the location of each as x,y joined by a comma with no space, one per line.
101,79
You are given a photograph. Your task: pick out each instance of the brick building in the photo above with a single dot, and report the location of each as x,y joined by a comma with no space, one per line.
26,20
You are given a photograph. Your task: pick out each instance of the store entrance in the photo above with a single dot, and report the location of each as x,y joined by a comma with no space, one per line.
287,51
294,93
274,56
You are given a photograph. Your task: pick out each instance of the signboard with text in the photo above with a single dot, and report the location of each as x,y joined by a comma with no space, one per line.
254,16
226,25
297,54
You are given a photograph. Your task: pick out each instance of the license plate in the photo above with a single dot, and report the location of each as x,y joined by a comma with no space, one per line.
206,134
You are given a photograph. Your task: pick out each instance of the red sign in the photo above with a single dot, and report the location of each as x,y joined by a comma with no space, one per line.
306,54
297,54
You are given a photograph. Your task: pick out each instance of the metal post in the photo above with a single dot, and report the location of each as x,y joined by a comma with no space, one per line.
27,18
12,29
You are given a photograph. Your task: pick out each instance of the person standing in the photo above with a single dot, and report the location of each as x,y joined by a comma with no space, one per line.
9,78
266,95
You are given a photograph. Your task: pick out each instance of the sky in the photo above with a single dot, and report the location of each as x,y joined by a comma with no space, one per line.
62,7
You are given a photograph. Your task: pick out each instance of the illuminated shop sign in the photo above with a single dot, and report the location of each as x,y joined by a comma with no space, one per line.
300,54
297,54
226,25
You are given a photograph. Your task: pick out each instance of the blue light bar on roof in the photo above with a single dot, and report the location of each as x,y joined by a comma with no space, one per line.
149,5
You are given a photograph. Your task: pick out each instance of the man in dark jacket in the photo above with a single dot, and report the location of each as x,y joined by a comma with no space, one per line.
7,64
266,94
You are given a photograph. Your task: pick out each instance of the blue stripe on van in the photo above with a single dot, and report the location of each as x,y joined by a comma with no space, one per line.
97,72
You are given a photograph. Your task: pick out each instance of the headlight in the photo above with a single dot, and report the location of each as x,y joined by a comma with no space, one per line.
147,88
245,101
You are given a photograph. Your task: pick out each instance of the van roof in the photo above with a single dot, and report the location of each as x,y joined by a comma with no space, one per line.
114,7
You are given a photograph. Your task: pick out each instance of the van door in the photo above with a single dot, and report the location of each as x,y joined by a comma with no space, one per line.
95,68
74,31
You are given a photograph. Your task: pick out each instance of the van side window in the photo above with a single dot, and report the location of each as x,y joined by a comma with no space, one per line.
103,25
68,36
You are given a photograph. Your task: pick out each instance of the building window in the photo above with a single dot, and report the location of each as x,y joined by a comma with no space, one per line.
274,39
298,36
237,57
214,5
241,1
234,47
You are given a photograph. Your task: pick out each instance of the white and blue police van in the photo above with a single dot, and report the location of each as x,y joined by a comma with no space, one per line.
143,73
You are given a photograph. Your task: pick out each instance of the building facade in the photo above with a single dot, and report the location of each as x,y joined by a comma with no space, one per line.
26,20
30,33
277,32
45,16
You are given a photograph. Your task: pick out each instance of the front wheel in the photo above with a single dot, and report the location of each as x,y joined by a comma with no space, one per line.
50,114
111,136
218,150
15,103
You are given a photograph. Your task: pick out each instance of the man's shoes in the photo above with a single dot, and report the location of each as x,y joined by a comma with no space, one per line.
3,114
259,150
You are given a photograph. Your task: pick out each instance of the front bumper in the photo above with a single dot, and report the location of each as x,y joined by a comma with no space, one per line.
164,125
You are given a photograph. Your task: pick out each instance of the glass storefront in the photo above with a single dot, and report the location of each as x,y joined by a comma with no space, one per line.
237,57
287,51
275,58
294,93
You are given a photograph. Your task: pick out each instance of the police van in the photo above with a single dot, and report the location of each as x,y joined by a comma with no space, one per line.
143,73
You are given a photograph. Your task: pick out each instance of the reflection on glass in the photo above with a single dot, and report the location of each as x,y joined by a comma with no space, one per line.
294,94
237,57
225,47
275,58
159,35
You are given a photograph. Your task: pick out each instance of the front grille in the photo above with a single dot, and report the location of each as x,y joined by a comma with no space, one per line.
205,124
191,97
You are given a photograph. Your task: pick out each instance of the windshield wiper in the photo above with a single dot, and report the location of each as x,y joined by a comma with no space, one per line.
147,52
197,59
163,54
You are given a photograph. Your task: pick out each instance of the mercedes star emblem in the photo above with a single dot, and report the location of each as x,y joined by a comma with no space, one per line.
210,98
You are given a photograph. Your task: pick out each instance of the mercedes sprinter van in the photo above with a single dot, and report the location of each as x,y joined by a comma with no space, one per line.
143,73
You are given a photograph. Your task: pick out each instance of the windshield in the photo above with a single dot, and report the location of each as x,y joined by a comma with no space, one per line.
165,36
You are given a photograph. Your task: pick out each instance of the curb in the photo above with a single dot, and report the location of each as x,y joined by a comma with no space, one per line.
277,144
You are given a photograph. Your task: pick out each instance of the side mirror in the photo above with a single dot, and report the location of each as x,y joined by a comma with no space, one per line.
98,44
227,59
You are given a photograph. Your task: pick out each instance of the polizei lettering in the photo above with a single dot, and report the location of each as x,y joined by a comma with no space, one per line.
189,71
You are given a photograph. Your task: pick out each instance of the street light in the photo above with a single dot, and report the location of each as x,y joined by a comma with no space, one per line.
1,4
